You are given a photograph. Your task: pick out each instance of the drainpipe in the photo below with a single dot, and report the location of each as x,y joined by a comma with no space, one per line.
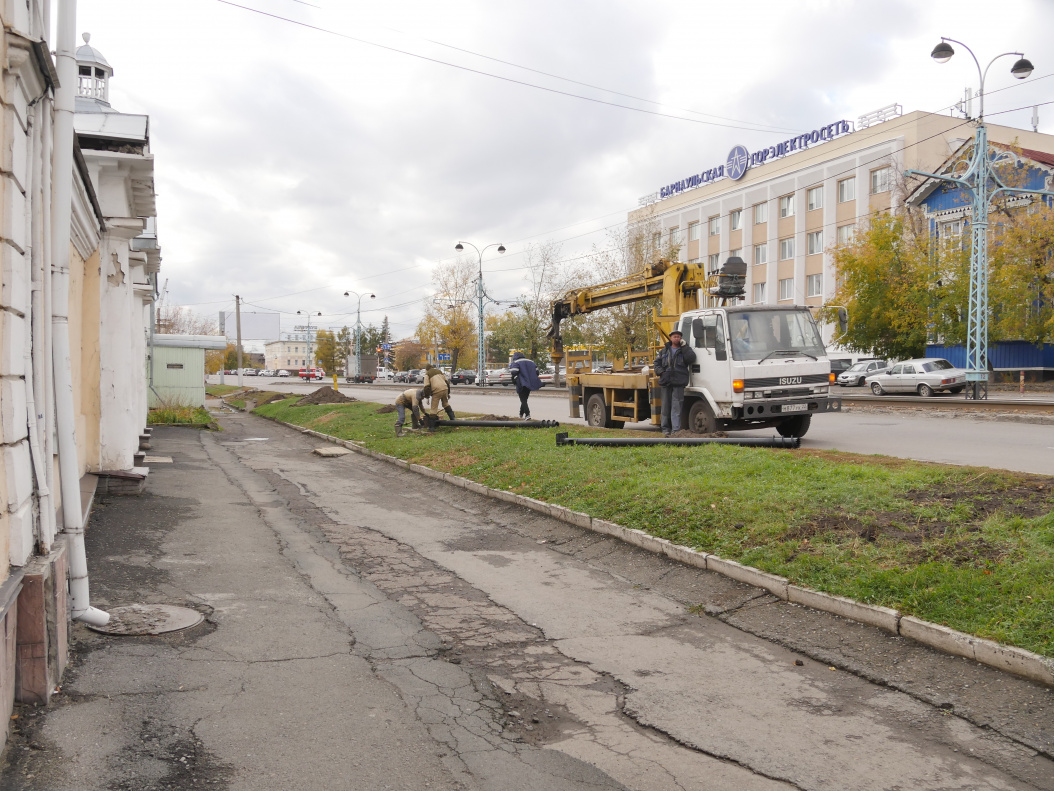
35,345
43,379
61,209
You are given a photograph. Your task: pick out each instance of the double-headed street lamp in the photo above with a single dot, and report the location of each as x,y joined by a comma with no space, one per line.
480,296
981,179
309,314
358,328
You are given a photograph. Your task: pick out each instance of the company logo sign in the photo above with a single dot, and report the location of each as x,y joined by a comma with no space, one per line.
740,160
790,380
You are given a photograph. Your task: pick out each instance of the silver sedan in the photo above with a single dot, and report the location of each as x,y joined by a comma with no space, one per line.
922,376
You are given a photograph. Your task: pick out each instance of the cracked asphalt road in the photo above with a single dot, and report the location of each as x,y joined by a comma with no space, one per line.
371,629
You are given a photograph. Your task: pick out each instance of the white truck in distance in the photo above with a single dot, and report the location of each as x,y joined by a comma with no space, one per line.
756,367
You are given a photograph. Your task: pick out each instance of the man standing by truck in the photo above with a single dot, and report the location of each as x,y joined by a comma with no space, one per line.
673,366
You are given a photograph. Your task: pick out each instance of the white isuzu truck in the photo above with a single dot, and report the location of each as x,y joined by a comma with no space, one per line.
756,366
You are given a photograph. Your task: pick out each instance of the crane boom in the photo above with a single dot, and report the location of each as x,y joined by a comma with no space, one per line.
677,285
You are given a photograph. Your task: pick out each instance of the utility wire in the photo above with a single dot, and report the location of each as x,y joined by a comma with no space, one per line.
485,73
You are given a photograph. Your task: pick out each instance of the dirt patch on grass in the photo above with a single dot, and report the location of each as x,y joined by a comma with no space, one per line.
949,530
448,461
495,417
274,397
387,409
324,395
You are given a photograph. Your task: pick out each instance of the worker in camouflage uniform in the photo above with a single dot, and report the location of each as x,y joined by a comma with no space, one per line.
440,387
410,399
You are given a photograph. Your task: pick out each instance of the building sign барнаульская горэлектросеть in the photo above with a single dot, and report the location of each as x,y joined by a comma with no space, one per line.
740,160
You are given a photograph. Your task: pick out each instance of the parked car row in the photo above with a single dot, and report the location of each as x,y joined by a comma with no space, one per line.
923,376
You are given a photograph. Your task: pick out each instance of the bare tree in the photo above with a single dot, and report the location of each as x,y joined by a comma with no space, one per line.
449,321
180,320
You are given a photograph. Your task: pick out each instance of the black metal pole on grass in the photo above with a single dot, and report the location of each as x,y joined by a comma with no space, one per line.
749,442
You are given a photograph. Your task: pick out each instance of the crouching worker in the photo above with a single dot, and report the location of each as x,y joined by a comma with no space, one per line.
409,399
440,389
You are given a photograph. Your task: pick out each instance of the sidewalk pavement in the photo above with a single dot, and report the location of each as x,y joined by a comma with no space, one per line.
369,628
268,693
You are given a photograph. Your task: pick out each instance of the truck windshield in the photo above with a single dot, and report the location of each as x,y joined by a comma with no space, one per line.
757,334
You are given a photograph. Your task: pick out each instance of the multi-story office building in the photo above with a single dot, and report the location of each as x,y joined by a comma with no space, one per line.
783,209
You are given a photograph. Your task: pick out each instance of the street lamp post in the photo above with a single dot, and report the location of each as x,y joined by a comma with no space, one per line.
981,179
481,294
308,313
358,328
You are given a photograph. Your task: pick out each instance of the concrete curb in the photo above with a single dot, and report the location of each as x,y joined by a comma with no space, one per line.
1001,657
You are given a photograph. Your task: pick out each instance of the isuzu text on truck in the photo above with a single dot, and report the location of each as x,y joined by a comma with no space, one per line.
756,366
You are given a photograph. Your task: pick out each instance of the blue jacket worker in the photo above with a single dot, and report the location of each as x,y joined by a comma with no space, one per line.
525,377
673,366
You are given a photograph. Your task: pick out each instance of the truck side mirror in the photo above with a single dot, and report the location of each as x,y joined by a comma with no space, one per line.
698,335
843,320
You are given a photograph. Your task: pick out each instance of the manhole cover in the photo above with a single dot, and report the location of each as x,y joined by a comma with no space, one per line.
149,619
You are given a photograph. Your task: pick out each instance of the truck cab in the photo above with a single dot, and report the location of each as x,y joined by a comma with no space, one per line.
756,367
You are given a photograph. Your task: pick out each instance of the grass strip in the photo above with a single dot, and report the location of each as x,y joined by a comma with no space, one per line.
178,415
221,390
971,548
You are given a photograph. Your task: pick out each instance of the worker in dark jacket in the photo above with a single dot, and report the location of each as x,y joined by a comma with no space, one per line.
525,377
673,366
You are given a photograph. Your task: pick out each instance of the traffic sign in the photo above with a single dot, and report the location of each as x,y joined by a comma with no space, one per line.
444,357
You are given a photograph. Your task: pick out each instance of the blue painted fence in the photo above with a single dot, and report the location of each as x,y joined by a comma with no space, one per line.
1002,356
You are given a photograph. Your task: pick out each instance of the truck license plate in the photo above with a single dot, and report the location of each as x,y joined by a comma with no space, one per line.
795,408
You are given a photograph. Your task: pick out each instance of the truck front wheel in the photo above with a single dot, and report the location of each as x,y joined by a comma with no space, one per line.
795,426
701,418
597,414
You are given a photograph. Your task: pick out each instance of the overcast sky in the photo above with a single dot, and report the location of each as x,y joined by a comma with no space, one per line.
294,164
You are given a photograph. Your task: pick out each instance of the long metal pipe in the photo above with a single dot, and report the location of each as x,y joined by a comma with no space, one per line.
501,423
748,442
61,212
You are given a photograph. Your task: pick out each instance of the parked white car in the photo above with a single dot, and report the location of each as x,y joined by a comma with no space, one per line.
856,374
924,376
283,372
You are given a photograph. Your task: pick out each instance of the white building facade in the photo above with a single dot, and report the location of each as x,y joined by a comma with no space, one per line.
77,274
790,205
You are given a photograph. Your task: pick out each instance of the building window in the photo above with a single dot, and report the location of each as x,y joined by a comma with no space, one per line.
759,293
815,242
675,235
713,263
786,249
845,234
693,232
814,285
761,213
656,239
695,260
737,253
787,288
735,219
787,206
880,180
715,226
814,198
847,189
91,82
761,253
